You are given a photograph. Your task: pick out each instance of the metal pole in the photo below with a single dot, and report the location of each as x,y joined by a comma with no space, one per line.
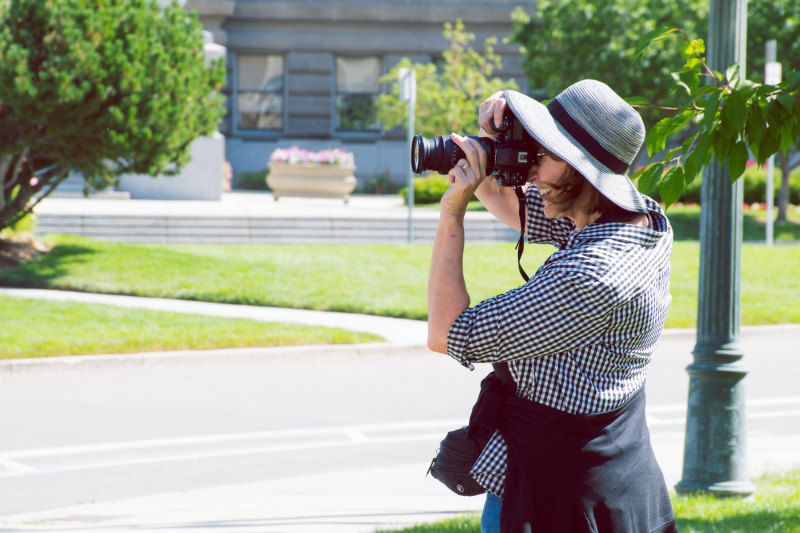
410,137
715,456
408,93
772,76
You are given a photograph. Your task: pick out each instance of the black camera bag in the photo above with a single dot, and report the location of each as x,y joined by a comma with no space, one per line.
453,461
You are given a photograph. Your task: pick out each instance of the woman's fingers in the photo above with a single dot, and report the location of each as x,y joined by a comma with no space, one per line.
491,112
474,153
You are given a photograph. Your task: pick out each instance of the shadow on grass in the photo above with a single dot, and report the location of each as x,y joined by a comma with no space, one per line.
45,268
761,521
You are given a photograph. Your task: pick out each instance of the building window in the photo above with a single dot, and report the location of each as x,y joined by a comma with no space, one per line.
357,93
260,92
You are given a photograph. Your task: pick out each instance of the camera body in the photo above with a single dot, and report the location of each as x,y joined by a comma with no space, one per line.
509,156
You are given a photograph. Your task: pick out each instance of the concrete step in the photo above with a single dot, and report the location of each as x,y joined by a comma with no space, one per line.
247,229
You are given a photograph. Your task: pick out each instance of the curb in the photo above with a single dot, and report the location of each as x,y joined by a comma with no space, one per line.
226,355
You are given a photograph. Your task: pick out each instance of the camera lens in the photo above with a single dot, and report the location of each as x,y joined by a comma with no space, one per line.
441,154
428,154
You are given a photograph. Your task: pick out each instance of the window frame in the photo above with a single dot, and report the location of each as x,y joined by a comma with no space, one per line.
354,134
257,133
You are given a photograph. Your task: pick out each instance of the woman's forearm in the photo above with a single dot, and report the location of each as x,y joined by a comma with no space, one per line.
447,291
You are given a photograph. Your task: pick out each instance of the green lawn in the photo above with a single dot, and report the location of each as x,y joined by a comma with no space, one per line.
685,223
65,328
386,280
775,508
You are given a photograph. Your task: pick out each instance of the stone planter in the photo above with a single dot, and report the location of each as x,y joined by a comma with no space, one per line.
312,181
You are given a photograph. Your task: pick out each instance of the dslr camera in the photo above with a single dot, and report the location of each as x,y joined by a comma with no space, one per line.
509,155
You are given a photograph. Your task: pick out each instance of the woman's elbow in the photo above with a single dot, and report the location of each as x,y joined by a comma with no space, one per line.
436,343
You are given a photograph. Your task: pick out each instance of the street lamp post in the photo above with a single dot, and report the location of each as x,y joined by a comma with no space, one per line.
715,453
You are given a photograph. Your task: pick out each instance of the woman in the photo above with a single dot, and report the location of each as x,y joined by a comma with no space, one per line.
569,448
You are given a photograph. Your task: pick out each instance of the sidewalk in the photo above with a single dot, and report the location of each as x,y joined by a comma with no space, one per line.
403,332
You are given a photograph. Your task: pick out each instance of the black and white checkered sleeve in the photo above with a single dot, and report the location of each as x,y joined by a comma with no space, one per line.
554,312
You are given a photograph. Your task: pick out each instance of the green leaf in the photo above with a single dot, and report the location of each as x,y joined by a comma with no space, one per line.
690,170
786,139
736,109
754,147
690,79
649,178
768,146
672,186
732,72
649,38
721,139
637,101
786,101
737,160
687,50
700,45
658,135
693,161
710,110
756,125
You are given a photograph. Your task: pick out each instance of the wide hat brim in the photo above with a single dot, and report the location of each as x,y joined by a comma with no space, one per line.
551,135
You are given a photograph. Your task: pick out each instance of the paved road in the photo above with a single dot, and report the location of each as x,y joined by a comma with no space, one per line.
294,440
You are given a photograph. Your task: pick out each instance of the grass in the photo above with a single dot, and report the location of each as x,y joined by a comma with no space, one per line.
65,328
774,508
387,280
685,222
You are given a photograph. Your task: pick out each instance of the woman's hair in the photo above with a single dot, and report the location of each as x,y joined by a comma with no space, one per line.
574,186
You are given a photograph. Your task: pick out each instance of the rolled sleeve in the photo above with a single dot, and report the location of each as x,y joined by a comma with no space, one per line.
552,313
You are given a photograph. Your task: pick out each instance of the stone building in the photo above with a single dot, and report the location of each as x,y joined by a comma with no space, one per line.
305,72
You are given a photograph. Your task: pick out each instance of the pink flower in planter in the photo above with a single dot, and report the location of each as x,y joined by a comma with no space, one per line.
297,156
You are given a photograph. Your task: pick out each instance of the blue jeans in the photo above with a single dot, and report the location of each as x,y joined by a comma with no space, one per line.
490,519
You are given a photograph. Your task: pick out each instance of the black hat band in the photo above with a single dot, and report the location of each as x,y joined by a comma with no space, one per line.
585,139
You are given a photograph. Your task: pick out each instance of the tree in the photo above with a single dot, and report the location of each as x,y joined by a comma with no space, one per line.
447,95
565,41
778,20
568,40
731,115
101,88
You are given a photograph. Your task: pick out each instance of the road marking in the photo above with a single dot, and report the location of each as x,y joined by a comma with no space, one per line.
93,465
16,466
354,432
70,458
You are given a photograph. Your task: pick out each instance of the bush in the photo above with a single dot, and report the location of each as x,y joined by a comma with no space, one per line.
254,180
380,184
427,190
101,88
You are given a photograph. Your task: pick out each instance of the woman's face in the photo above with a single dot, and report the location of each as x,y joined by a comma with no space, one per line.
558,184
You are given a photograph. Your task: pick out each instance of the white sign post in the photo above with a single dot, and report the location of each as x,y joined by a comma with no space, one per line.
772,76
408,93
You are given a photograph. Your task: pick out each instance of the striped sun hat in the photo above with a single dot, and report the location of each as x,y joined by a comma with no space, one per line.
591,128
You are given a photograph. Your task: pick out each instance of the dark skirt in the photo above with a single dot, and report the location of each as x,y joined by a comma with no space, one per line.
575,473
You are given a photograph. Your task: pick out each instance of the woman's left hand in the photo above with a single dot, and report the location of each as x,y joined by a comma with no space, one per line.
466,176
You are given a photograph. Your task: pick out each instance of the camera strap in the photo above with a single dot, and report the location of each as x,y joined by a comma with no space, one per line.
521,242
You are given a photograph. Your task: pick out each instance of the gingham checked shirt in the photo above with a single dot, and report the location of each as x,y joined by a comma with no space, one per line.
579,335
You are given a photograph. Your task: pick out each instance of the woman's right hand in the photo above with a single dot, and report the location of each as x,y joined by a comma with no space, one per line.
490,113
